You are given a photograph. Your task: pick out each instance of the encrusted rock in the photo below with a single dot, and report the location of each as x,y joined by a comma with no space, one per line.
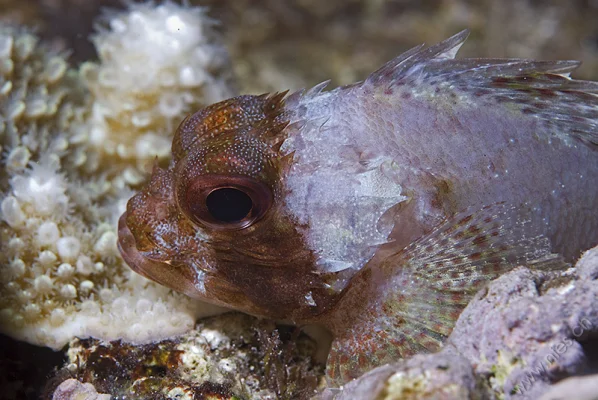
228,356
525,332
445,375
517,338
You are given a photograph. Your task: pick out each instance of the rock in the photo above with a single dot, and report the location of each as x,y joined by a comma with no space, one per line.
519,336
72,389
580,388
587,265
530,329
230,356
444,375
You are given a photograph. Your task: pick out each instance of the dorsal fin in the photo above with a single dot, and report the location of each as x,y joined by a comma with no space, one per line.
401,65
541,89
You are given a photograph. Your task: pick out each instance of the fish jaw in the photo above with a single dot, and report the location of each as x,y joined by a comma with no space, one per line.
187,283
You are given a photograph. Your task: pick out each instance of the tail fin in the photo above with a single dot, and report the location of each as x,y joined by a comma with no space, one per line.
416,294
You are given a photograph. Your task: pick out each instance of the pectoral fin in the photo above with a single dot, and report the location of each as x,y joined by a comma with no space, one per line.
420,291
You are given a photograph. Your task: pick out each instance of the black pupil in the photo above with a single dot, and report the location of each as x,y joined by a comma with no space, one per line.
228,204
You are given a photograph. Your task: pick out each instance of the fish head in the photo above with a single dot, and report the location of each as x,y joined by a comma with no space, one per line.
214,224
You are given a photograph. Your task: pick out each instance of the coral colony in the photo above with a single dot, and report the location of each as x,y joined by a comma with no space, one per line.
74,142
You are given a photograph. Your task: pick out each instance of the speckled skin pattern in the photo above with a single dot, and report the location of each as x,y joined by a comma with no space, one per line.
381,207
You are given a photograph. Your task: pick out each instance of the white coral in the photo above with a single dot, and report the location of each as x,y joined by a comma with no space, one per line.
41,190
157,63
71,149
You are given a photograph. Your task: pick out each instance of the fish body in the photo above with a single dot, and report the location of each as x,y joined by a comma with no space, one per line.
379,208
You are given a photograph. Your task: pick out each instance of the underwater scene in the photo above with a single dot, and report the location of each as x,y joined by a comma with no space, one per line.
297,199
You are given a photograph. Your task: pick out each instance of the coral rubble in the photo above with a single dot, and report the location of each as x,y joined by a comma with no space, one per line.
231,356
65,180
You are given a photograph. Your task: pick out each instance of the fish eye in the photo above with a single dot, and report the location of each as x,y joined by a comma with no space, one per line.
225,202
228,204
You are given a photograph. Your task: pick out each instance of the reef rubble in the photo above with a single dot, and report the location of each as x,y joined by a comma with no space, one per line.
231,356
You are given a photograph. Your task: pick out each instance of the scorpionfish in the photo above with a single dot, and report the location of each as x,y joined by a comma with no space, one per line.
376,209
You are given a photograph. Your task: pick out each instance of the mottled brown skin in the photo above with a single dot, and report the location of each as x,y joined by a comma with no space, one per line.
167,232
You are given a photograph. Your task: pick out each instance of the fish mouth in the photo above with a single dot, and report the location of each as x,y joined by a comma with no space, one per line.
163,273
180,278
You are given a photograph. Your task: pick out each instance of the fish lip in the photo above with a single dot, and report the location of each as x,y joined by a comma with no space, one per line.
128,249
157,271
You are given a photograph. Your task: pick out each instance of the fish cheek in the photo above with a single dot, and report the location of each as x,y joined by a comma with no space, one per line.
262,291
278,293
269,271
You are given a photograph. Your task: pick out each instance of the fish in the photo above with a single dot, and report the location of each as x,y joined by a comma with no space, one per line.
376,209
